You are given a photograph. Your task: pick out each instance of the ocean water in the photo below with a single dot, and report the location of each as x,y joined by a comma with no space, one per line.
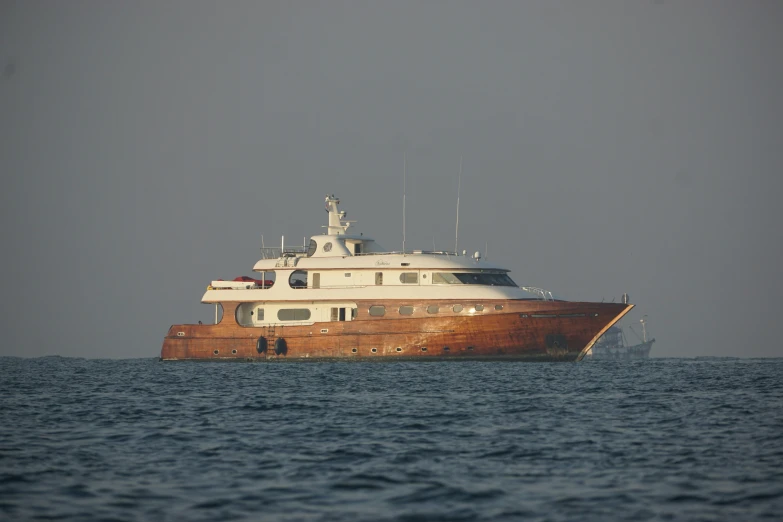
657,439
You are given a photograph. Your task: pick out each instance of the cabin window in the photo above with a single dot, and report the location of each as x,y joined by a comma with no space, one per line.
334,314
347,274
378,278
498,307
457,308
316,280
432,309
298,279
259,314
312,248
355,313
406,310
338,314
479,308
293,314
378,310
357,248
328,246
409,278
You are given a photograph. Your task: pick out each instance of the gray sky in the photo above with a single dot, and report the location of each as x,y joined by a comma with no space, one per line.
609,147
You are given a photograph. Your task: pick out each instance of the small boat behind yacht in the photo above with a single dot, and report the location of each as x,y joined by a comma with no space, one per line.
343,296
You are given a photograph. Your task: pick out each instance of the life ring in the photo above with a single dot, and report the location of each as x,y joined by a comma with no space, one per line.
261,344
281,348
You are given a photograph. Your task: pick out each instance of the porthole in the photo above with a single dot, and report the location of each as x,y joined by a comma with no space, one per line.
234,351
470,348
406,310
399,349
423,348
327,247
498,307
457,308
479,308
324,330
216,352
180,334
446,349
377,310
374,350
432,309
354,350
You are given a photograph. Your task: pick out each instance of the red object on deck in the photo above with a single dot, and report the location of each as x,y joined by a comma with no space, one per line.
259,282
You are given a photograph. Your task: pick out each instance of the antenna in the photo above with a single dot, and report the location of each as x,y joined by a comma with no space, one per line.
404,179
459,182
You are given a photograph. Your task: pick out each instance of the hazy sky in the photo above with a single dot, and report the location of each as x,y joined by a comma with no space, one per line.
609,147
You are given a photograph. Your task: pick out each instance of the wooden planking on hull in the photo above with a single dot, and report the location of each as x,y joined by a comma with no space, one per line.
534,330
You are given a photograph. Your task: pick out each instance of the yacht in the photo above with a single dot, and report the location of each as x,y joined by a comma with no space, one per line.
342,296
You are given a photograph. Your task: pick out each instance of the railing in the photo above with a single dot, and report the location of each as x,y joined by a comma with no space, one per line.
300,251
286,251
546,295
407,252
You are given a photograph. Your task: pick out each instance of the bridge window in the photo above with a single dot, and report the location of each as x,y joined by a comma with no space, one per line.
472,278
293,314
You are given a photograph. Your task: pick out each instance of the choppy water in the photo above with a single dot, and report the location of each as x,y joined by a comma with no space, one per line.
666,439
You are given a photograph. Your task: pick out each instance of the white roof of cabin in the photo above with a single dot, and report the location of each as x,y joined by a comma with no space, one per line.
412,261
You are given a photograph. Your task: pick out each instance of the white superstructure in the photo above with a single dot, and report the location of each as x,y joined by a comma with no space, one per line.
338,269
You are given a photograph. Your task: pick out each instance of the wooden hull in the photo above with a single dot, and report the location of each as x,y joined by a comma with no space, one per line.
529,330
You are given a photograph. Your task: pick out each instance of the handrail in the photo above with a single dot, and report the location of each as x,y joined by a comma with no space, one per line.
546,295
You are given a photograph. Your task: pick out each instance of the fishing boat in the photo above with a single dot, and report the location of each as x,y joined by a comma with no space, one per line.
342,296
614,345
